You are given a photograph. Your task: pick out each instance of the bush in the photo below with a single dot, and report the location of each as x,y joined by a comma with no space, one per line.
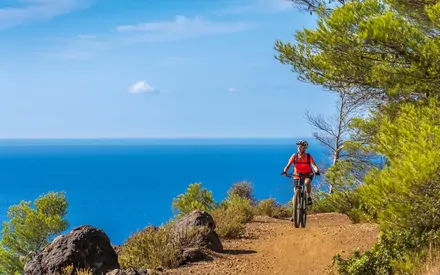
149,248
240,207
231,216
228,223
344,202
195,198
399,252
271,208
243,189
157,247
29,230
406,193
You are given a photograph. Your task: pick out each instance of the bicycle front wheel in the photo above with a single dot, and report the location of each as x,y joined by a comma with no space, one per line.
296,215
303,214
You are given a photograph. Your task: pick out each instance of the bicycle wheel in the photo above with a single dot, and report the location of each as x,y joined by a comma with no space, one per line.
304,209
296,215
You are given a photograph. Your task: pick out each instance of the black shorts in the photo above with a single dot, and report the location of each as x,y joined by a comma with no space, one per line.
310,176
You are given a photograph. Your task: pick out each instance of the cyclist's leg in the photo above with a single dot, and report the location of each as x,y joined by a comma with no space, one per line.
308,182
295,183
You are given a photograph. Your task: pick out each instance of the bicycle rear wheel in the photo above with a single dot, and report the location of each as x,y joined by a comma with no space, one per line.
296,215
303,209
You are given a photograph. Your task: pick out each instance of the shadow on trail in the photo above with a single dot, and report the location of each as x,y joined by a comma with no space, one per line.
238,251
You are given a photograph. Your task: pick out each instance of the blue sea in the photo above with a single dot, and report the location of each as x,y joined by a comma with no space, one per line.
121,186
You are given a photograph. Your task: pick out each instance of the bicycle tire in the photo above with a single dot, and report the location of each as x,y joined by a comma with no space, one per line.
296,215
304,210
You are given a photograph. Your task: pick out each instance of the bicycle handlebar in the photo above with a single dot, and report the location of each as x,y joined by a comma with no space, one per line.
301,175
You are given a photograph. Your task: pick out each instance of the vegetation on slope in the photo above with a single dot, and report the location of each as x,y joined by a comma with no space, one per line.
385,54
29,229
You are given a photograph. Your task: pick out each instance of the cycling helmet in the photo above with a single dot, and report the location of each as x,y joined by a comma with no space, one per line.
302,142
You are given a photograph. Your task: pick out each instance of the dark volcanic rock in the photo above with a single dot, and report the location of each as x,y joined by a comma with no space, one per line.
200,219
128,272
84,247
193,254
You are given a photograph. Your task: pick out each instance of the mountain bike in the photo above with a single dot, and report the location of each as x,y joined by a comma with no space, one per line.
299,204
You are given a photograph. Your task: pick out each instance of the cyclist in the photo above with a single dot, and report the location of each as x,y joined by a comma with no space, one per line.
302,162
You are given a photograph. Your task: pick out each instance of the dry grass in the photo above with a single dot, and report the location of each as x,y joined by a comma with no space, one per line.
231,216
78,271
158,248
432,263
271,208
229,224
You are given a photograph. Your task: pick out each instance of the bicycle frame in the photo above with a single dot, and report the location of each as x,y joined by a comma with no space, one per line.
299,202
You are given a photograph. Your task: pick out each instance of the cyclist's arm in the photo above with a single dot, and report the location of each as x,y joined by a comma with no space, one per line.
315,167
289,164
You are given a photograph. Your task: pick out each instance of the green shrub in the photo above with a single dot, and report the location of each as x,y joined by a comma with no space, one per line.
29,229
157,247
229,224
195,198
149,248
345,202
406,193
231,216
399,252
239,206
270,208
243,189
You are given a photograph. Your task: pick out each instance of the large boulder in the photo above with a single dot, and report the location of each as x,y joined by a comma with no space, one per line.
85,247
199,219
194,250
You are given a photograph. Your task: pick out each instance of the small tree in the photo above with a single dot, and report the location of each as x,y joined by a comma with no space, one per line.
29,230
333,132
194,198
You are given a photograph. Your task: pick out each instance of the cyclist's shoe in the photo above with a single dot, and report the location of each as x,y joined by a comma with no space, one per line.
309,200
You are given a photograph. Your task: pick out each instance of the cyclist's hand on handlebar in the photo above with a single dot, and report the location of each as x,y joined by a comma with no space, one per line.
283,173
317,173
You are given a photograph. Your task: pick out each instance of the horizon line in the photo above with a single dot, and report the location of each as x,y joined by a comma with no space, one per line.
144,138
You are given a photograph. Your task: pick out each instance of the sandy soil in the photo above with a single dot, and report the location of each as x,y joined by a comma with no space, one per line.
274,246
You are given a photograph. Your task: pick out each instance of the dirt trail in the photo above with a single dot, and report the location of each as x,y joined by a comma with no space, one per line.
274,246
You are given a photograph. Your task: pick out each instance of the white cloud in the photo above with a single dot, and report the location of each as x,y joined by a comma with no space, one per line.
141,87
232,90
34,10
182,27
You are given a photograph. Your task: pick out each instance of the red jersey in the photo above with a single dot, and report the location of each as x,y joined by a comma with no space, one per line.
301,165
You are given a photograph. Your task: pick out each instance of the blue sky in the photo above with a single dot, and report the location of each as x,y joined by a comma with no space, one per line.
151,68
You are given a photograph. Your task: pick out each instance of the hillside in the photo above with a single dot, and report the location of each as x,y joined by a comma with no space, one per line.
274,246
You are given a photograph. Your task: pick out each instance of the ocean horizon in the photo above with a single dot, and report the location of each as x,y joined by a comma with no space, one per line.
124,185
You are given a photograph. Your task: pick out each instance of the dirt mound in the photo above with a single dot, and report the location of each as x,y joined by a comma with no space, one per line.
273,246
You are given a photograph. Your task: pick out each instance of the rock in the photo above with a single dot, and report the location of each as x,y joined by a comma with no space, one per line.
192,254
128,272
117,249
116,272
84,247
200,219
